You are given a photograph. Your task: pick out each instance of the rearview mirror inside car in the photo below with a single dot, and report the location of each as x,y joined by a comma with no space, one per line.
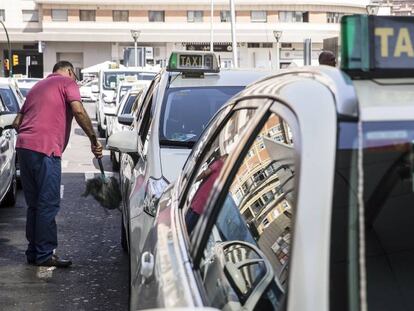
126,119
125,142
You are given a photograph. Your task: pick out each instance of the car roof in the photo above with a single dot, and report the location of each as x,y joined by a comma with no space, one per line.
232,77
5,82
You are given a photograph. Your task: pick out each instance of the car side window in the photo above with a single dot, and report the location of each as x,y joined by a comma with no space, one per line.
212,163
245,261
147,113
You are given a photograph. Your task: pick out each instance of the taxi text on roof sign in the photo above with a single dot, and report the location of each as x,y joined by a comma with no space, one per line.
186,61
378,46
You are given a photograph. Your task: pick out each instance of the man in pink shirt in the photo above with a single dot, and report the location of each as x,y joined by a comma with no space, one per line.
44,126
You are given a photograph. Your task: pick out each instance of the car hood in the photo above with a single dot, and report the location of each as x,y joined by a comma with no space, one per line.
172,162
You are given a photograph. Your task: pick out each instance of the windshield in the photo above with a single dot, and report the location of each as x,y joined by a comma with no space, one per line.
187,111
9,99
111,79
388,170
129,104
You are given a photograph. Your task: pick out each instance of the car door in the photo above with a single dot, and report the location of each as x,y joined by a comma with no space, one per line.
241,242
7,151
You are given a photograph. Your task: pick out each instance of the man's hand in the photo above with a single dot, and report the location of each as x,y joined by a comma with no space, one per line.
97,149
17,122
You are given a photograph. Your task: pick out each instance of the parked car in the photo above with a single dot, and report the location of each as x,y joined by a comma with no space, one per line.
106,90
177,107
126,112
299,194
86,91
10,93
8,174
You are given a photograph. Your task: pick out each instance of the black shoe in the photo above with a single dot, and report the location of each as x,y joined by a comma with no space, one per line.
54,261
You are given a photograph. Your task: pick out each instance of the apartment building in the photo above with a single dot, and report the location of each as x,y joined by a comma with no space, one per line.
87,32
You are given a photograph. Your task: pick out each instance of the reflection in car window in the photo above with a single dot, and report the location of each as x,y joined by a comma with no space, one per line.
258,211
25,91
9,100
187,111
213,162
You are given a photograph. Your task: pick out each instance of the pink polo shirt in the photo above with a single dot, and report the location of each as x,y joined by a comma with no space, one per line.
47,115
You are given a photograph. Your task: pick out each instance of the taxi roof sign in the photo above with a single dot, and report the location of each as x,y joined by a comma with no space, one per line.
188,61
377,46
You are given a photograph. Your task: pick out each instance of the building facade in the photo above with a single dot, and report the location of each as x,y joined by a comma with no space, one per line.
88,32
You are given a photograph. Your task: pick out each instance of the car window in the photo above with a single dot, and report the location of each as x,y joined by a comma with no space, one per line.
129,103
212,164
186,111
245,261
147,115
9,99
388,195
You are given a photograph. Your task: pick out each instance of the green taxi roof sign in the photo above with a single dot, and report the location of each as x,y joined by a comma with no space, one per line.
197,62
377,46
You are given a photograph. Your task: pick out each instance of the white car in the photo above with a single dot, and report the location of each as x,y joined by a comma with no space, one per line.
123,118
299,195
107,86
86,91
10,93
8,172
176,109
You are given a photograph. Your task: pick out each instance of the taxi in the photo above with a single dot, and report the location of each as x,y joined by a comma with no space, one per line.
299,195
123,118
176,108
107,85
8,173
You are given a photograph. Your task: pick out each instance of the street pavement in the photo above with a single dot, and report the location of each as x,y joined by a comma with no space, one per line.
88,234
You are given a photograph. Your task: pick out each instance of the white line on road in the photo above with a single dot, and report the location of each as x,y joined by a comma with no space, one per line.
62,190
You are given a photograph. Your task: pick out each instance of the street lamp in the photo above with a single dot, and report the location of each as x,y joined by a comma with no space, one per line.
135,35
277,34
233,34
9,44
372,9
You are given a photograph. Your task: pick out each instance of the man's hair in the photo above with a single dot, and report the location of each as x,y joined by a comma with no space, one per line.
326,56
63,64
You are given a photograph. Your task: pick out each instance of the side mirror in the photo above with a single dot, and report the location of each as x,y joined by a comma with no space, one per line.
126,119
95,89
125,142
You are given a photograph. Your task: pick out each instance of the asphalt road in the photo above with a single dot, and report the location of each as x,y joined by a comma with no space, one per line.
88,234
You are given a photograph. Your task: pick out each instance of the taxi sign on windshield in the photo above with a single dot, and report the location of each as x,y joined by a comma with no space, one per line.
186,61
378,46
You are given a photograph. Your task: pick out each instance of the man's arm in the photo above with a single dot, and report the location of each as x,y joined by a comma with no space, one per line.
85,123
18,121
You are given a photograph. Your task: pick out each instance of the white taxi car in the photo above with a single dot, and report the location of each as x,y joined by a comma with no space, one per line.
106,89
123,118
8,173
299,195
176,109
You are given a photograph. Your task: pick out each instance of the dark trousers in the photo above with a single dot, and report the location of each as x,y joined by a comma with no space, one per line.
40,176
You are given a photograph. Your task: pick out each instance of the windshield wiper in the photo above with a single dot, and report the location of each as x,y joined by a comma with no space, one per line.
175,143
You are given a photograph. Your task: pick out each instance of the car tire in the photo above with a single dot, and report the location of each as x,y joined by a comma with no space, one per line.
10,197
124,240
